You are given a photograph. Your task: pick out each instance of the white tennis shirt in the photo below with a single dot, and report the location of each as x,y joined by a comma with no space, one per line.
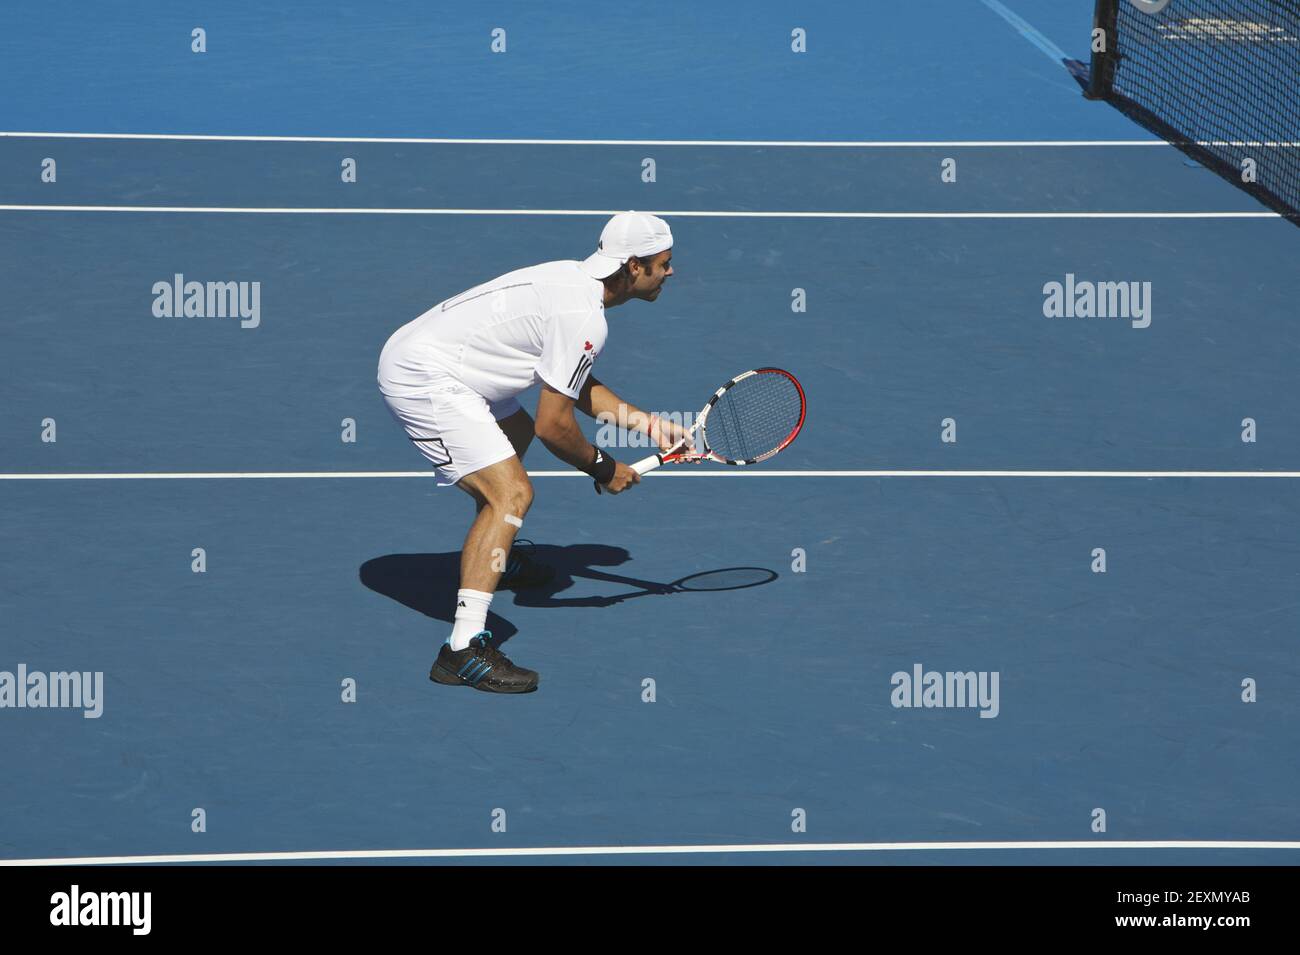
546,321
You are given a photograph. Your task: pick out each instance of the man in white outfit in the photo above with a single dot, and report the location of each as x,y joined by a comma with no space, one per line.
451,378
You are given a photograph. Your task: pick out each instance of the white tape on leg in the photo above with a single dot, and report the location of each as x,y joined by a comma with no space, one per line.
516,521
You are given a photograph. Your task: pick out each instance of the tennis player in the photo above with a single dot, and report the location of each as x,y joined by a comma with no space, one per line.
452,376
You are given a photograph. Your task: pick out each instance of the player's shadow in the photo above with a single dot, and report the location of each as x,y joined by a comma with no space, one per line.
428,582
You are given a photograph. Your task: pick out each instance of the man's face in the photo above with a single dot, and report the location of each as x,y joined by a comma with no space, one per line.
650,280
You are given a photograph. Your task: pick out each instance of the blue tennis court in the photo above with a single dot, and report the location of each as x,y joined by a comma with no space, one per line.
1095,516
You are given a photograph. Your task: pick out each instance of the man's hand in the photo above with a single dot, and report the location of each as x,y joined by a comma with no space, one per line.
624,477
667,434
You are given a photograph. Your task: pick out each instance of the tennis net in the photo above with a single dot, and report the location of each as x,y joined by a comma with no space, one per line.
1219,79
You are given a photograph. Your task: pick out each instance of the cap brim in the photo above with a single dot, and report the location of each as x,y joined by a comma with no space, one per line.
600,266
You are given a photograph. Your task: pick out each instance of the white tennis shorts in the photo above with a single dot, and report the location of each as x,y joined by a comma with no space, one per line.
454,427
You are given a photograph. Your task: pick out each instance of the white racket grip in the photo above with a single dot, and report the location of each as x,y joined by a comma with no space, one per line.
646,465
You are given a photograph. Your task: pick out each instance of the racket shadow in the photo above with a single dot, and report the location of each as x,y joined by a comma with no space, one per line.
583,562
427,583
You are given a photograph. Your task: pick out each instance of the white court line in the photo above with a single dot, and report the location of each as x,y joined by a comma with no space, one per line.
730,472
633,850
690,213
796,143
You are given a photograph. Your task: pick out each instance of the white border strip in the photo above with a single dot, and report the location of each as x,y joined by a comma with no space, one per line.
633,850
689,213
805,144
718,473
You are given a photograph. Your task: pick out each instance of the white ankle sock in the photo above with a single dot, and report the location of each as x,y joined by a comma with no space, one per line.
471,615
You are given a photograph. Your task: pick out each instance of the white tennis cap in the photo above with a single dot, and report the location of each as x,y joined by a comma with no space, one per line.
625,235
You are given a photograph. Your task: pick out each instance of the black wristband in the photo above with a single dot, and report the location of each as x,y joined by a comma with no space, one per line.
602,469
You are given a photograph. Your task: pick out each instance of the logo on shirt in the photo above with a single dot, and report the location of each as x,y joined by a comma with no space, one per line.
587,346
579,373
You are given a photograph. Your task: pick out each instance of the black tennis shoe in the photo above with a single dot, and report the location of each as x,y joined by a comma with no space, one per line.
481,666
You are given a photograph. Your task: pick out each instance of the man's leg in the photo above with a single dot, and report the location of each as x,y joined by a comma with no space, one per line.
503,494
521,571
456,430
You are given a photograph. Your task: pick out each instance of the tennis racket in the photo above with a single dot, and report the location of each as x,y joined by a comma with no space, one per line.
749,419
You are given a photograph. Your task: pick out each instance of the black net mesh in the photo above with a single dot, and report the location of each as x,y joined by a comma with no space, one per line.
1220,79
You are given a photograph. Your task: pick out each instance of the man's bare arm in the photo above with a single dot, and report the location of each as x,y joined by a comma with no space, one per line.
597,399
556,428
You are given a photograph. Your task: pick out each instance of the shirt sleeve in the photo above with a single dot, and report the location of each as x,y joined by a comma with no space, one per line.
569,350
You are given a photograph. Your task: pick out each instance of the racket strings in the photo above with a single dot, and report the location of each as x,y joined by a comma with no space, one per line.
754,417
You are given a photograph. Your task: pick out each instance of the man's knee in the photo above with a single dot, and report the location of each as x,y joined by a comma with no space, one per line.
513,498
524,497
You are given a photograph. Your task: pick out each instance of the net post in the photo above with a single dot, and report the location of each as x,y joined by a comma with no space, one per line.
1102,73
